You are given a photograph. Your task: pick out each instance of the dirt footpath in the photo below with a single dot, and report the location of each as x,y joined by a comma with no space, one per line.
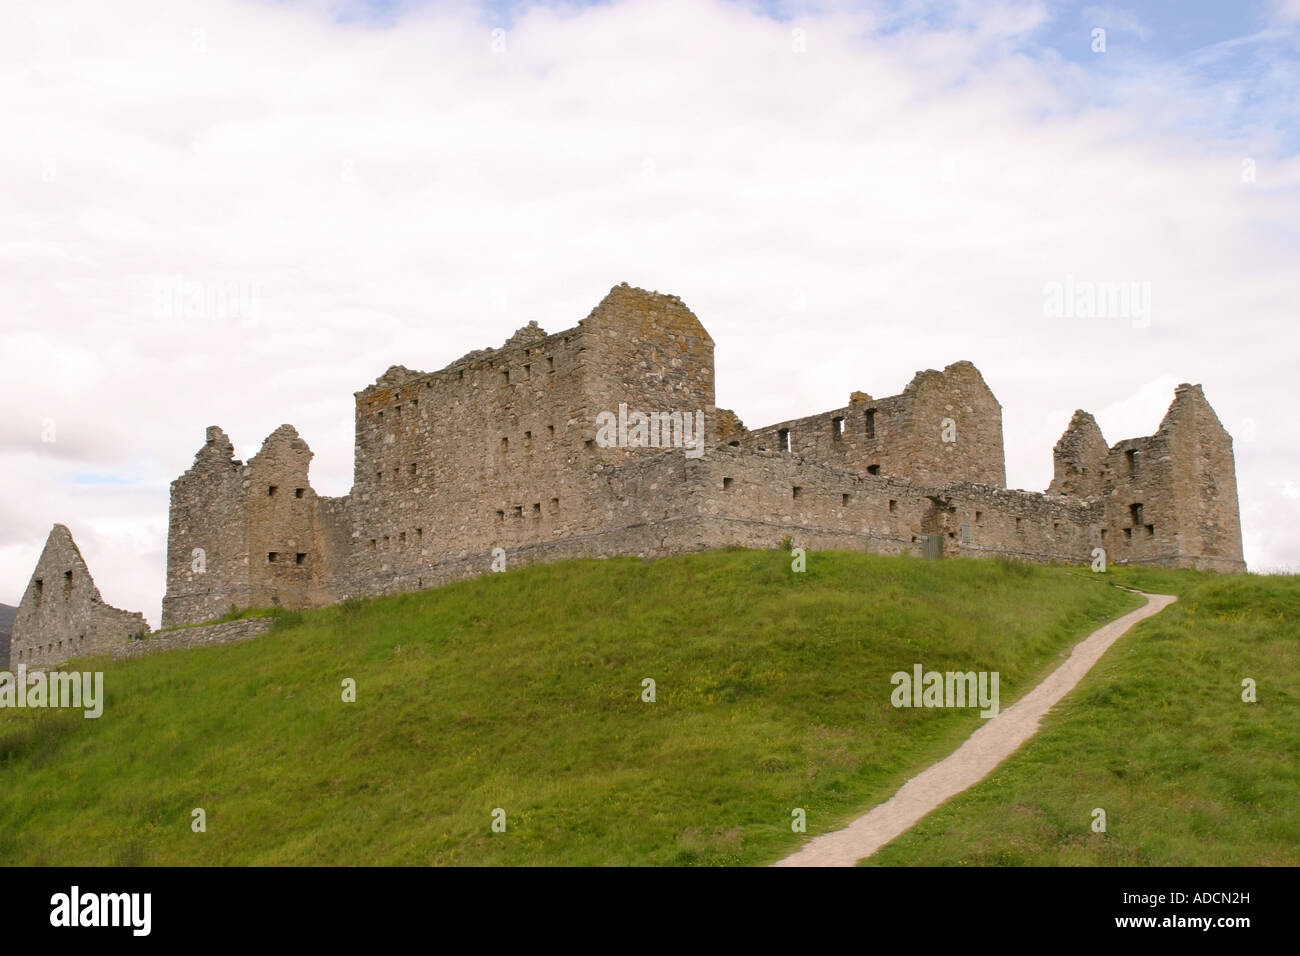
970,763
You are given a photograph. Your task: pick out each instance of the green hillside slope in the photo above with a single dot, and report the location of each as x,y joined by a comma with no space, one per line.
523,691
1158,736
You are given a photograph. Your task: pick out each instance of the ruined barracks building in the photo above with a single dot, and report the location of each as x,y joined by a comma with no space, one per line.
503,449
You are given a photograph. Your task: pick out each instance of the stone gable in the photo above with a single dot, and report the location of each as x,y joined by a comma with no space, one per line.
62,615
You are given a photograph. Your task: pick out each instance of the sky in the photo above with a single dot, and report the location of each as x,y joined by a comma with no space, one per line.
843,193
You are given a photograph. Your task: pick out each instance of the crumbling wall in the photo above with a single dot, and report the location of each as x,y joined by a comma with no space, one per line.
1166,500
1080,459
485,453
1000,522
284,560
207,536
1171,498
1201,452
188,638
944,427
61,615
648,352
498,449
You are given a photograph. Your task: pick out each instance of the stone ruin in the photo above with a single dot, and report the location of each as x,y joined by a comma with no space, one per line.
62,615
497,461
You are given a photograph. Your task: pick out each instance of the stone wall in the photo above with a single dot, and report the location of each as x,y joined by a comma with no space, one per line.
251,535
1168,499
284,566
207,536
62,615
944,427
1079,459
187,638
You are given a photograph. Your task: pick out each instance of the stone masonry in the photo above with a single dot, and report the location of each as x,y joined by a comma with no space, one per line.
187,638
61,614
497,457
501,460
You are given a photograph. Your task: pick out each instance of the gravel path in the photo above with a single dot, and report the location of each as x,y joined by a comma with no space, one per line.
970,763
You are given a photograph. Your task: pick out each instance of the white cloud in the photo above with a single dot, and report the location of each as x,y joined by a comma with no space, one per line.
403,195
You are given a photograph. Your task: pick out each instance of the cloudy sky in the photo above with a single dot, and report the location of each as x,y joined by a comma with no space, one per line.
843,193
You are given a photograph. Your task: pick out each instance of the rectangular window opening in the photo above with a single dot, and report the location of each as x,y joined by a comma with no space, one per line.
893,506
783,439
271,489
871,424
726,484
873,469
837,429
271,556
1135,513
298,492
299,558
796,492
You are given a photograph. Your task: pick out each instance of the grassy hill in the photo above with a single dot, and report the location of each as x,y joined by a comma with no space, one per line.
523,691
1156,735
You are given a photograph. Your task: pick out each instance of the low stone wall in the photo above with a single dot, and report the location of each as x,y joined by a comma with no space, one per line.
208,635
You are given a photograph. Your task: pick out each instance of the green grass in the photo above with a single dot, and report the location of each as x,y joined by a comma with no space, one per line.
1157,736
523,691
